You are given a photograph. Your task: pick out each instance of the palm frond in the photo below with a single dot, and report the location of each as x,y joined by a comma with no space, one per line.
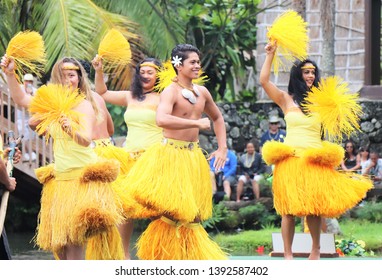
159,34
75,28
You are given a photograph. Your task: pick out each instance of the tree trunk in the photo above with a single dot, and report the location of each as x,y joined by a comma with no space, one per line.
327,8
300,7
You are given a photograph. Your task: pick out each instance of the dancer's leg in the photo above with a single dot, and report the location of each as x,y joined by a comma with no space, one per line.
287,232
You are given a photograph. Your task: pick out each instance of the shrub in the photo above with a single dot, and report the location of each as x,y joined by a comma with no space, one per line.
371,212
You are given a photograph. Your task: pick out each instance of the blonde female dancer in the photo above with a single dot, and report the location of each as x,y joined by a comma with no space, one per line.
77,200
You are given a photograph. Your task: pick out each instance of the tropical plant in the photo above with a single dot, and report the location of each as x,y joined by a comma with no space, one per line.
371,211
69,27
351,247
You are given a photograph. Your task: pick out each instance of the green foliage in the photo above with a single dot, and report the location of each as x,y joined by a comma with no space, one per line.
219,212
351,247
246,242
256,216
370,211
117,115
225,33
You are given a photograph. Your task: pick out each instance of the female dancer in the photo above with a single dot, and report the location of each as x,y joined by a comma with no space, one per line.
305,182
77,200
141,103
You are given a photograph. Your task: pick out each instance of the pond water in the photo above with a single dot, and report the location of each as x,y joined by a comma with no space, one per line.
23,248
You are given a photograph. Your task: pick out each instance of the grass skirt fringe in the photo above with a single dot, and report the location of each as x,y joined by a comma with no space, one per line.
105,149
76,209
172,178
310,185
131,209
165,240
105,246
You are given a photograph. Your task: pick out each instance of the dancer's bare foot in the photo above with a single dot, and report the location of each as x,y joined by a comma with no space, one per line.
288,256
314,254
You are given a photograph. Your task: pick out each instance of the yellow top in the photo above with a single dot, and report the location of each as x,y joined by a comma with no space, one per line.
302,131
68,155
142,128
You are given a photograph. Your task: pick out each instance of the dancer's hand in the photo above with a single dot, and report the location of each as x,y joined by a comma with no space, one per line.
204,124
270,48
220,156
8,65
97,63
66,125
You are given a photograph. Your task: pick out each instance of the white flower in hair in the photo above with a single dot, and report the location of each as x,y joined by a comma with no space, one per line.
176,60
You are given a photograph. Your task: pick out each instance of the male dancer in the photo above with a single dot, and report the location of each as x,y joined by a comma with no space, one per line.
172,178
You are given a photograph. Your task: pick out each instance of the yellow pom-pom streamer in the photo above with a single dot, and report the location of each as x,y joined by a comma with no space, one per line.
337,108
289,32
167,73
53,102
114,48
28,51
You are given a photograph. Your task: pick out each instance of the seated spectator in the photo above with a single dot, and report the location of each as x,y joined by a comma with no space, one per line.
224,178
363,158
251,169
374,169
350,162
273,133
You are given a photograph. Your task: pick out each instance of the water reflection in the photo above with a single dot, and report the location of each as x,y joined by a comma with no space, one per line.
23,248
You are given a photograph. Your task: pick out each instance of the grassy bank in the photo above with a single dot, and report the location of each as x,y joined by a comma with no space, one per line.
248,242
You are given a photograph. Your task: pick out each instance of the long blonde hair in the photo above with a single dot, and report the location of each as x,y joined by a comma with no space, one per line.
57,77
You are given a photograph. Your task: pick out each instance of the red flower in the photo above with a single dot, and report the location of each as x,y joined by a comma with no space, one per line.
260,250
340,253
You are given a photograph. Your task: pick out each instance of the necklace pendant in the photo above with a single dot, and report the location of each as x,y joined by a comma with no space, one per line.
189,95
141,98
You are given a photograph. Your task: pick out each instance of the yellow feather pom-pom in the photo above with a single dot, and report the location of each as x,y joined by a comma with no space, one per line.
114,48
337,108
167,73
28,51
50,104
289,32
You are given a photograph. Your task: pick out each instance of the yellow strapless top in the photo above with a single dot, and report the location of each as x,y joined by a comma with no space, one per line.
68,155
142,128
302,131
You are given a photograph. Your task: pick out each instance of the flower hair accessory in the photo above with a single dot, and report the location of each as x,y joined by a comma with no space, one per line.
176,60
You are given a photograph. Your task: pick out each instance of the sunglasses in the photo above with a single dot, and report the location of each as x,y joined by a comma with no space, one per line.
274,123
349,147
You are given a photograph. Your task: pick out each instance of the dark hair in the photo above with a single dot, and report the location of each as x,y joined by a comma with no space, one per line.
354,149
182,52
87,66
136,85
364,149
297,86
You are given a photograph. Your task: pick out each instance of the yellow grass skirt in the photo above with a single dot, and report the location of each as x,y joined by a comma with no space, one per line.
166,240
172,178
310,185
131,209
76,205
